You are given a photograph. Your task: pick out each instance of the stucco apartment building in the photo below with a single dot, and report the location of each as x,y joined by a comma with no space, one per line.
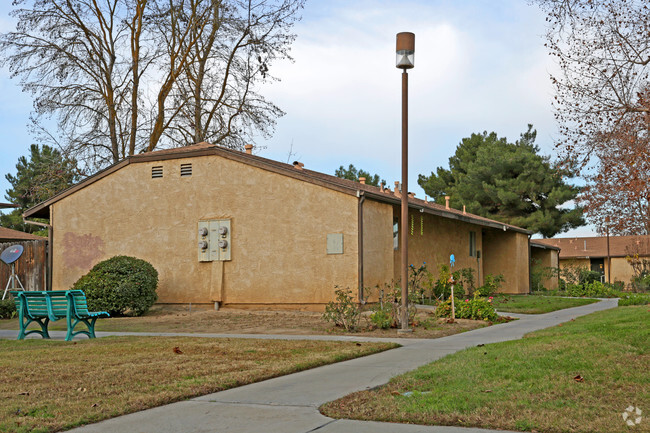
607,255
229,227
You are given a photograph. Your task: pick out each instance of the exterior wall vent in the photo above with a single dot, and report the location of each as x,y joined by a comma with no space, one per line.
156,172
186,170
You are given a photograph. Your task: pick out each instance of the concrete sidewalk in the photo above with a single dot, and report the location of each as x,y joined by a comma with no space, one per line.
290,403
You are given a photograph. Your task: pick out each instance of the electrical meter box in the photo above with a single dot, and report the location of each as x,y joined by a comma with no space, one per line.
214,240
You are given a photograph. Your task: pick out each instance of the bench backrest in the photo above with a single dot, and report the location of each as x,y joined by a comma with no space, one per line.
52,303
77,300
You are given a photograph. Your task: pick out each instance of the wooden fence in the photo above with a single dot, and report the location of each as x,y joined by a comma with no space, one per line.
30,267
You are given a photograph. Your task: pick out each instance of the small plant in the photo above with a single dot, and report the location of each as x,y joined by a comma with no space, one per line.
383,317
7,308
442,287
491,286
344,311
121,285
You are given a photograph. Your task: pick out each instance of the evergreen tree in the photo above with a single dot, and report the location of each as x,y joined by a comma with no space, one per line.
507,182
351,173
46,173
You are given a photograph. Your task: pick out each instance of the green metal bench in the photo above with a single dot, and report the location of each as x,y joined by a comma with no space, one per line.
44,307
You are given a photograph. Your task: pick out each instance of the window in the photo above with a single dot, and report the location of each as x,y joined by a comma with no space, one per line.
395,233
156,172
472,244
186,170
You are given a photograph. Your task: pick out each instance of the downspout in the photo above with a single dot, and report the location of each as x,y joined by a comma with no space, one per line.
48,266
362,198
530,266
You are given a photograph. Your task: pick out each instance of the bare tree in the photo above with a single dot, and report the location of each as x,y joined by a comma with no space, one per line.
127,76
603,50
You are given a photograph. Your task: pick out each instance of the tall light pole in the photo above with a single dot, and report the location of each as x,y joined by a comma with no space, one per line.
405,60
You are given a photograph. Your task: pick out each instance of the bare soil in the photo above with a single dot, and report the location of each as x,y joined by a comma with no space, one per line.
164,318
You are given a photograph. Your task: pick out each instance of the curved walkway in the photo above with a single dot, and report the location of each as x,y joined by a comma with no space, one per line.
289,404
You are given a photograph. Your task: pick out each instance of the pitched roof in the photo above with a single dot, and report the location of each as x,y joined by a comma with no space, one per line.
535,243
619,246
8,205
314,177
15,235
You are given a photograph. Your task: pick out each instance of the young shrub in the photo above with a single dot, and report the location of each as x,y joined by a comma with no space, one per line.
476,308
120,285
383,318
491,286
634,299
344,311
8,308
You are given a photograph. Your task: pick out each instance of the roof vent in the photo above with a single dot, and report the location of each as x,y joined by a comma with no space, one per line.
156,172
298,165
186,169
362,180
249,149
446,202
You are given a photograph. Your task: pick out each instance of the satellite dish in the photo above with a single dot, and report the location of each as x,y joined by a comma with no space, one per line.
11,254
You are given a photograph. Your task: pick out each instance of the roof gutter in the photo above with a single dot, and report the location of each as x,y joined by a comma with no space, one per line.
450,215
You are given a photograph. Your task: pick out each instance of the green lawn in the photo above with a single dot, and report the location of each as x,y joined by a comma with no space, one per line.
536,304
575,377
47,385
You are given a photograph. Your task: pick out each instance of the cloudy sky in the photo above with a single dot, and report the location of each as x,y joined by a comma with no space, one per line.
479,66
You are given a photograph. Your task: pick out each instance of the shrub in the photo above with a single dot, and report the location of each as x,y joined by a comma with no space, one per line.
491,286
476,308
641,283
344,311
442,287
633,299
383,317
595,289
8,308
120,285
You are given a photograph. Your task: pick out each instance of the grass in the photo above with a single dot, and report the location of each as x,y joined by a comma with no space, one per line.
47,386
536,304
529,384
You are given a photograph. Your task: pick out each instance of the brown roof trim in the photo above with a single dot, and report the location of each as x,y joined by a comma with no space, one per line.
321,179
8,205
544,246
15,235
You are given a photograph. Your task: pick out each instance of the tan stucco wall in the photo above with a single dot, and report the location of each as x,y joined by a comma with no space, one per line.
377,246
434,240
621,269
506,253
546,258
279,228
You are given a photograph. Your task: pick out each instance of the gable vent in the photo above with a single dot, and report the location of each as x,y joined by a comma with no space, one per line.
186,170
156,172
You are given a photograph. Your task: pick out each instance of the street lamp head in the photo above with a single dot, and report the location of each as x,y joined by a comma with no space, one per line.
405,50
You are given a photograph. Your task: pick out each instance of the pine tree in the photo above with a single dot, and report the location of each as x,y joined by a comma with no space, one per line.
507,182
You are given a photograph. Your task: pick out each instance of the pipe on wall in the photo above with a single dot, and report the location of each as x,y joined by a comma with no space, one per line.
362,198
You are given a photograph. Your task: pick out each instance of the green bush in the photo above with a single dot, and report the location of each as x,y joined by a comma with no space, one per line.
7,308
476,308
641,283
595,289
383,317
633,299
491,286
442,286
120,285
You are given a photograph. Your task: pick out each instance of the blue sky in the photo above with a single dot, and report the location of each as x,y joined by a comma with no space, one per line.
479,65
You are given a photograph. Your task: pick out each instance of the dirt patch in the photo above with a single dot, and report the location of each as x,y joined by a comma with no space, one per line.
230,321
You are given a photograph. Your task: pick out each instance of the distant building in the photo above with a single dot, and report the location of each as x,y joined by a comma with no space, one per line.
602,254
